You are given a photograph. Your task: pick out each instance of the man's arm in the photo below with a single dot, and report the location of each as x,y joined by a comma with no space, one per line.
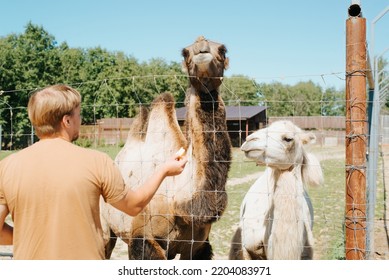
135,200
6,231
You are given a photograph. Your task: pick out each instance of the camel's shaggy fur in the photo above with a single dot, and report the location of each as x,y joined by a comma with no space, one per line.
178,219
276,215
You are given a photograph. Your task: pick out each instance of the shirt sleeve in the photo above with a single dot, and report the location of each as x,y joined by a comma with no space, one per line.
2,195
113,186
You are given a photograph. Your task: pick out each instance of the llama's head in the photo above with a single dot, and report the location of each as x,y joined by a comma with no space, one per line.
205,62
280,145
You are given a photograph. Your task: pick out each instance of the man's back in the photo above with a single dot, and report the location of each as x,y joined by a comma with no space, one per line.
52,190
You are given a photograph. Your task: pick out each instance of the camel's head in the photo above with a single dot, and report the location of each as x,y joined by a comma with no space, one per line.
205,62
280,145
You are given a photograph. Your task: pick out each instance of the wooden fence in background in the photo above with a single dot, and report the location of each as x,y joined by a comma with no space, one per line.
329,131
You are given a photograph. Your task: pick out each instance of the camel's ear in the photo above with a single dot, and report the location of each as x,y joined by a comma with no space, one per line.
184,63
226,63
184,68
222,52
308,138
312,171
185,53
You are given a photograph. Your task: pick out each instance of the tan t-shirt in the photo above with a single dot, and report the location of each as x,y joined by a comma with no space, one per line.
52,190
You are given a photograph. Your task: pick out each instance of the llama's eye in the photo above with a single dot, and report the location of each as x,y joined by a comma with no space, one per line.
287,139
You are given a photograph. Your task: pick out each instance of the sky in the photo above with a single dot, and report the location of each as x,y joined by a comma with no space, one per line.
269,41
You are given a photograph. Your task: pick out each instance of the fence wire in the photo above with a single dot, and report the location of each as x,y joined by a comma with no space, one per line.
108,133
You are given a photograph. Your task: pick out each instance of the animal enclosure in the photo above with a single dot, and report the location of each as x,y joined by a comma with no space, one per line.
327,200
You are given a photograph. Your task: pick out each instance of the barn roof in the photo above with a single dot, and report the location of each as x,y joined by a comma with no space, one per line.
232,112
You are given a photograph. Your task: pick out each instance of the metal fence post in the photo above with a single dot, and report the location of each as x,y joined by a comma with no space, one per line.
374,128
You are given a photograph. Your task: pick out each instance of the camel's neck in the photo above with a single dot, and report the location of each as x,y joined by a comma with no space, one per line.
287,214
209,101
207,135
288,179
207,132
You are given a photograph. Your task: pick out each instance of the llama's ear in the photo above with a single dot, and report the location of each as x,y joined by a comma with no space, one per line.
308,138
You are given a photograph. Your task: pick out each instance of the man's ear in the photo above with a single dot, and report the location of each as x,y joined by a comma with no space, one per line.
66,120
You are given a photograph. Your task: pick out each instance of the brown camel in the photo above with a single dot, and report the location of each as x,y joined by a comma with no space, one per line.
178,220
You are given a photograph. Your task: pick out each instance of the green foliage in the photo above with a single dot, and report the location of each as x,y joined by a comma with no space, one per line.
240,90
84,142
113,84
302,99
333,103
29,61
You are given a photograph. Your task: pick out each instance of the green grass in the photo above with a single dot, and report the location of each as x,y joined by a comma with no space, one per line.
4,154
112,151
329,206
241,166
224,229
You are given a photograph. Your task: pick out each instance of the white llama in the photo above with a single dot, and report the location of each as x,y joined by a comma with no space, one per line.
276,215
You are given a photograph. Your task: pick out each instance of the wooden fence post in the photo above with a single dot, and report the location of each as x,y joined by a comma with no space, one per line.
356,138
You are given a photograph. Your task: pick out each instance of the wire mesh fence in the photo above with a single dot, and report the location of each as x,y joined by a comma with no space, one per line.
108,133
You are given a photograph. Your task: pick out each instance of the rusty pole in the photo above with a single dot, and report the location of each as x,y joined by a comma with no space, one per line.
356,136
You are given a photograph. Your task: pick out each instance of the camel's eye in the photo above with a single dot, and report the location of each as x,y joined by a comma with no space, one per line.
287,139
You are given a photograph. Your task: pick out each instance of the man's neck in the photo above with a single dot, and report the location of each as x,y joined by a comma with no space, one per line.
63,136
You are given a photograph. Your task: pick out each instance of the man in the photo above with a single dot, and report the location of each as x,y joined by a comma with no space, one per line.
52,188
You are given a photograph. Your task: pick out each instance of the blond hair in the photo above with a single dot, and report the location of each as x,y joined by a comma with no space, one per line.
47,107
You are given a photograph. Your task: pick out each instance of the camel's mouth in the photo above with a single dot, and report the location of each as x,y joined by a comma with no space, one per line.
254,154
202,58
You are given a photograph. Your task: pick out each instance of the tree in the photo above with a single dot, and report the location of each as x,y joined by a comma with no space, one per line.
240,90
333,103
113,84
302,99
29,61
306,98
276,98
